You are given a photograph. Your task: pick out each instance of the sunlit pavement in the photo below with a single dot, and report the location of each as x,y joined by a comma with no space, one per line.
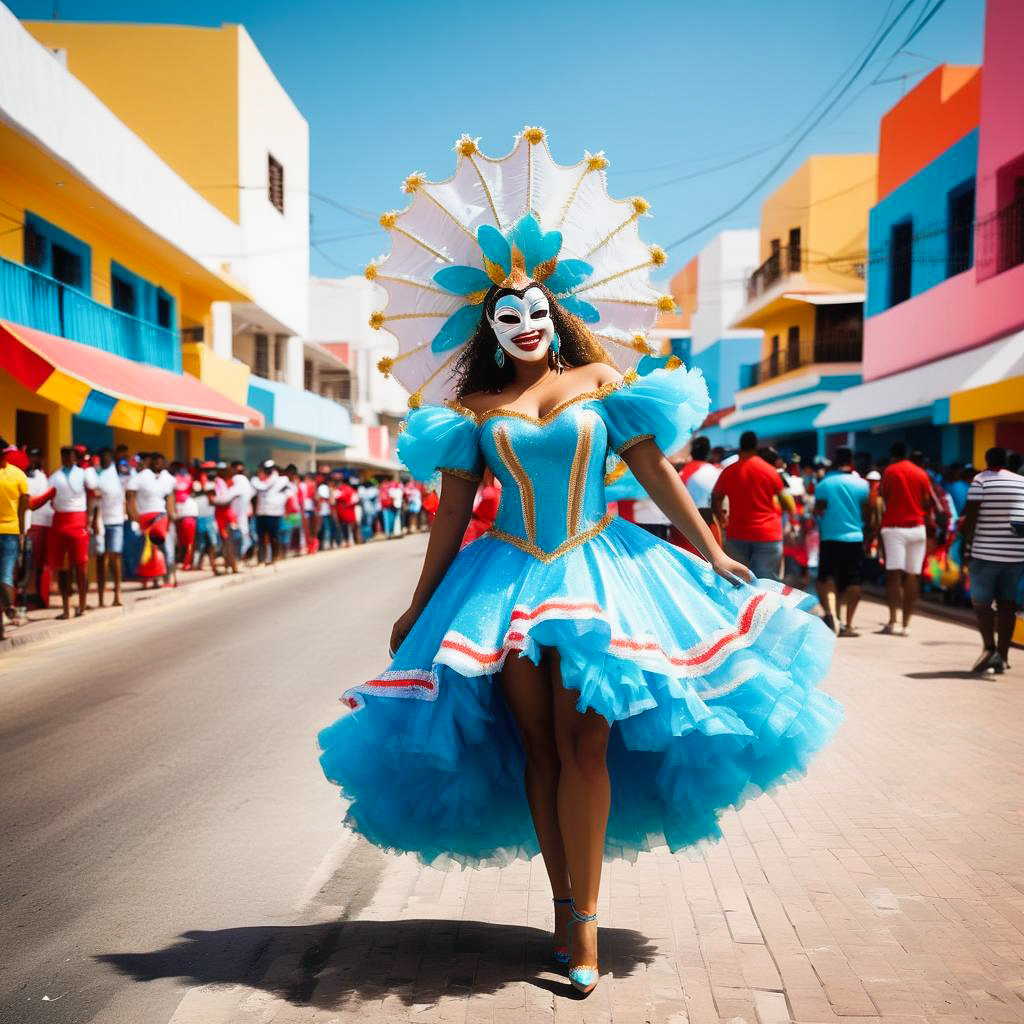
888,884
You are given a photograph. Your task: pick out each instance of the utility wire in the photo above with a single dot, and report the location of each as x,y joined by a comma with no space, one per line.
765,178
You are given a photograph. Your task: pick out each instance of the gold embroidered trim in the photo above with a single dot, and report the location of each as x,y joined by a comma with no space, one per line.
572,197
487,191
456,406
617,274
420,242
578,476
448,213
413,283
563,548
515,467
598,393
462,474
417,316
635,439
611,234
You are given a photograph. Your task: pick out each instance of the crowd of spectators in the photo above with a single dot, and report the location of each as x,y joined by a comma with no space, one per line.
112,516
832,525
898,522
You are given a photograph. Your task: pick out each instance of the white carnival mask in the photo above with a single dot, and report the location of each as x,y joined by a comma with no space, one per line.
523,326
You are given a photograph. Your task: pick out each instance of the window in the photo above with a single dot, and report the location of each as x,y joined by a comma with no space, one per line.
137,297
279,355
792,348
901,252
260,356
307,374
1011,227
66,266
773,358
122,294
275,183
164,309
960,231
57,254
794,251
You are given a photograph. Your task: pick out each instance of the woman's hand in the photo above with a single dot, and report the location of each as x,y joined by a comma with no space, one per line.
731,570
400,630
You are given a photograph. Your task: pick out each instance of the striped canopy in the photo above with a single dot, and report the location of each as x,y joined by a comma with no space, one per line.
105,388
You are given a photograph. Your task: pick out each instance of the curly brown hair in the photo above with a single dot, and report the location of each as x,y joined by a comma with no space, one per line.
476,370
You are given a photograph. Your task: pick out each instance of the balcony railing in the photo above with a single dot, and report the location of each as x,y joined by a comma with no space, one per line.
787,260
35,300
842,347
1002,233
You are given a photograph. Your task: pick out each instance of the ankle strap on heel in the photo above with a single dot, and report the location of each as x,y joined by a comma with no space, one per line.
567,902
582,918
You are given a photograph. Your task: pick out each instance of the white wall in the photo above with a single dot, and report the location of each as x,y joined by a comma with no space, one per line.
340,310
276,267
722,269
41,99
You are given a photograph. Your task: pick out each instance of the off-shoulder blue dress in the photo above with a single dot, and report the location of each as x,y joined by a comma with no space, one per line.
710,688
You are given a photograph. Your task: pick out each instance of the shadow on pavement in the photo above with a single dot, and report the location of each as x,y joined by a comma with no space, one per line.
331,964
949,674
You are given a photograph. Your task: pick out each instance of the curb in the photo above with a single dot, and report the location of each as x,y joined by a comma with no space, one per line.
166,596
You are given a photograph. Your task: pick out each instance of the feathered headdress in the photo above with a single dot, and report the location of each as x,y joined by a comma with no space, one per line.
509,221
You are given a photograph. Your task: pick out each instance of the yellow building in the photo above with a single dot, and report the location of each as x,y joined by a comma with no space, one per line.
230,131
807,297
102,288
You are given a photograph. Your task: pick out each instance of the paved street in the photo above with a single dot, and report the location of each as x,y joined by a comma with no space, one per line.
174,854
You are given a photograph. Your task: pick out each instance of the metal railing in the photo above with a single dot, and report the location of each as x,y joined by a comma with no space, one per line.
786,260
36,300
841,347
1003,232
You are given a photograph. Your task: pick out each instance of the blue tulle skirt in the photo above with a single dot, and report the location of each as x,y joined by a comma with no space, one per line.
710,690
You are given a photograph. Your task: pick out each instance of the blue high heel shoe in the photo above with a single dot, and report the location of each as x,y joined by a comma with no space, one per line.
561,953
583,978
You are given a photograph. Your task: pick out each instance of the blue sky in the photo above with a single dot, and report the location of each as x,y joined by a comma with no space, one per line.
693,101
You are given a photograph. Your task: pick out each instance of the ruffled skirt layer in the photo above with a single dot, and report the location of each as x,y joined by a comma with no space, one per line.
710,690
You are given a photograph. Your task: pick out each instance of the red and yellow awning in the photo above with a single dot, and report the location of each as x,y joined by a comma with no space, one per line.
106,388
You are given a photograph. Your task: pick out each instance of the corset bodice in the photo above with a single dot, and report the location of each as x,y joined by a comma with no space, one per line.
552,476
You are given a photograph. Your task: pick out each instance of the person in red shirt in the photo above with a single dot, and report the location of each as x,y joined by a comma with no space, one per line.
345,501
908,496
756,495
485,508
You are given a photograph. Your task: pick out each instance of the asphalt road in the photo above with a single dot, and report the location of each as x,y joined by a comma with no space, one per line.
160,781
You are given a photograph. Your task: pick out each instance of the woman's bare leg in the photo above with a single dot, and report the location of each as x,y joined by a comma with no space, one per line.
527,691
584,797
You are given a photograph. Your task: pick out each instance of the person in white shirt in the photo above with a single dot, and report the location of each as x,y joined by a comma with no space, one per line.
241,504
150,495
69,533
396,492
272,490
108,526
39,531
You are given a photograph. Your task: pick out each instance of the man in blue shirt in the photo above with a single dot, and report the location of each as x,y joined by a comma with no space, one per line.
842,507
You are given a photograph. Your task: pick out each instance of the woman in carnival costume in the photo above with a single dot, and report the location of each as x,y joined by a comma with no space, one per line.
567,683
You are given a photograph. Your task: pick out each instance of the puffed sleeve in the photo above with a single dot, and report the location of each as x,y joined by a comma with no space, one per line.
435,438
666,405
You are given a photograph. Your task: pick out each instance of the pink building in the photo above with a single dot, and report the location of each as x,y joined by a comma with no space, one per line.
944,326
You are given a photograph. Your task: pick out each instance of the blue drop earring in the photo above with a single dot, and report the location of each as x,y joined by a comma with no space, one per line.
499,356
556,352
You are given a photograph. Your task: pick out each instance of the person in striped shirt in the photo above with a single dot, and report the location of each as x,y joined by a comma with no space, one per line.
994,542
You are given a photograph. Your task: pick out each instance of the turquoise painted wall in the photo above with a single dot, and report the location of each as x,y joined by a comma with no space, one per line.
721,362
924,201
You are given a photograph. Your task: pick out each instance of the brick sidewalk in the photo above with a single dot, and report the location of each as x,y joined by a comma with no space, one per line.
887,885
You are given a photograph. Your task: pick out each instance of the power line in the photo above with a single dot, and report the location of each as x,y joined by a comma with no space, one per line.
803,134
765,147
